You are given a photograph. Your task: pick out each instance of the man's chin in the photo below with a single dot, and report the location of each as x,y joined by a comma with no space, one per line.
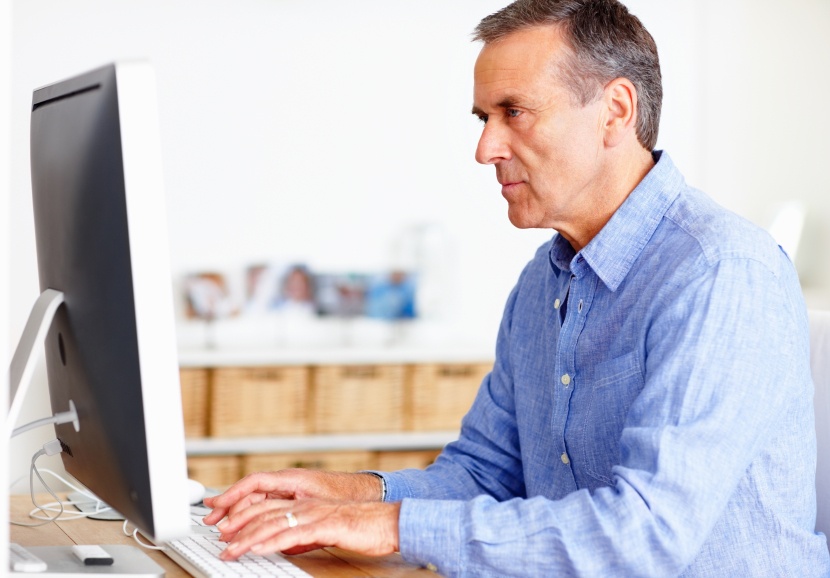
521,220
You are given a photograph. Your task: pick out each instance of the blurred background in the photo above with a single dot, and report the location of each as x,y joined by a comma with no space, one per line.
338,136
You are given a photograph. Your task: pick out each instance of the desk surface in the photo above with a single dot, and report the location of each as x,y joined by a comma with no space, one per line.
330,562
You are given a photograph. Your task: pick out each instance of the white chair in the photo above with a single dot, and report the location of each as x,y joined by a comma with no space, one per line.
820,365
787,225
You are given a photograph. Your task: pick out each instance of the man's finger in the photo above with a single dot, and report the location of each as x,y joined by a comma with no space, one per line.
242,515
262,529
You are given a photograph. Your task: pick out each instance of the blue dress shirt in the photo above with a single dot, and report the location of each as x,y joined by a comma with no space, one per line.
649,413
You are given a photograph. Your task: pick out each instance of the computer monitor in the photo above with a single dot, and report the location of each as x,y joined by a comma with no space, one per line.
101,237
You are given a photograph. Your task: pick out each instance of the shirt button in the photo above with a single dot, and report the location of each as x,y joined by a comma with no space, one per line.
432,567
556,304
566,380
565,459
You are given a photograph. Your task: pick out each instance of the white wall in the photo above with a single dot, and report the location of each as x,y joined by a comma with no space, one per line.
764,129
316,131
5,179
292,135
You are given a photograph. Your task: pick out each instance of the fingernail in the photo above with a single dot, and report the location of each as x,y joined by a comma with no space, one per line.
222,523
257,549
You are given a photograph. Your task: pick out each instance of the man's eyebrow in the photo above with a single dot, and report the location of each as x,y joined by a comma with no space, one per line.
506,102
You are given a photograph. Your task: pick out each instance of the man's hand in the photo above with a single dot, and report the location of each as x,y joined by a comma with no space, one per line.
297,526
295,484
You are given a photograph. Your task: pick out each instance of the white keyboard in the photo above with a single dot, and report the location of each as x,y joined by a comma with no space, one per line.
199,555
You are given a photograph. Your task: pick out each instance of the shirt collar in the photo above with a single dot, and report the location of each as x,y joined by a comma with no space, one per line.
613,251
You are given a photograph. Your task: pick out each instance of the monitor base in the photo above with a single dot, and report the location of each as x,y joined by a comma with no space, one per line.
82,503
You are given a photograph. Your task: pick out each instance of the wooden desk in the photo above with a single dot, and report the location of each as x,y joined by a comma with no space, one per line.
331,562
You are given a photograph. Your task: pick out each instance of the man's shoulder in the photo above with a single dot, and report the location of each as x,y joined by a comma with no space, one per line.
695,225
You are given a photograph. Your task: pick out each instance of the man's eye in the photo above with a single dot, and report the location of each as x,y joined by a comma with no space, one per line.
513,113
483,118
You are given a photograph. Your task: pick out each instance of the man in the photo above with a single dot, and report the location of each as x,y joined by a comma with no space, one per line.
650,411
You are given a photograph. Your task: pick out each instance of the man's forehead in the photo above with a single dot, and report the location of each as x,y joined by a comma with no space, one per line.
521,56
495,77
503,92
519,68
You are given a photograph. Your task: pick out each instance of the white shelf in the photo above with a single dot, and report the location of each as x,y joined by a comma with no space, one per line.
248,357
318,442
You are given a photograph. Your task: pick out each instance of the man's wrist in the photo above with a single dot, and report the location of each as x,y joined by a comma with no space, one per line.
380,483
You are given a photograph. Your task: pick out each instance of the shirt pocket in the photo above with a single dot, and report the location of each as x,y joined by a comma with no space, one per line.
613,386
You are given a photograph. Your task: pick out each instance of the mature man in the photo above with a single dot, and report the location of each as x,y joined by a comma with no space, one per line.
650,410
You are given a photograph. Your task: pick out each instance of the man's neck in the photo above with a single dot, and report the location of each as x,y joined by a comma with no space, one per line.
624,176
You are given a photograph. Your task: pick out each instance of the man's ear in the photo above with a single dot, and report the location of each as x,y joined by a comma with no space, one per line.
620,99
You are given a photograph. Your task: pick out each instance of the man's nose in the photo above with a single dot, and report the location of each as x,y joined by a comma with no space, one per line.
492,145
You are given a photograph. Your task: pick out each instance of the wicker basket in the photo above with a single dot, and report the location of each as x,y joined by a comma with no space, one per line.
259,401
215,471
194,383
353,399
342,461
438,396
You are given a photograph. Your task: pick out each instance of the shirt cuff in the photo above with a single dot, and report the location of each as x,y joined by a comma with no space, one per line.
430,534
382,483
395,487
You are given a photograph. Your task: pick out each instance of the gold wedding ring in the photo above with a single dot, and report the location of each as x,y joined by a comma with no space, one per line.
292,520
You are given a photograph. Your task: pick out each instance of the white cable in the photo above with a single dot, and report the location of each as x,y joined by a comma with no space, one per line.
92,497
100,507
63,515
59,418
24,428
135,534
50,448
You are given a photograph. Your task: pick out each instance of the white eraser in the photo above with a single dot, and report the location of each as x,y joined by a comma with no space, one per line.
92,555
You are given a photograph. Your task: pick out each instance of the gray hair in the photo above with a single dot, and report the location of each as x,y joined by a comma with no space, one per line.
608,42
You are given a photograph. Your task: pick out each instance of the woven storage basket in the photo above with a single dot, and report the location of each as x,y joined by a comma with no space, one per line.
401,460
195,393
214,471
439,395
259,401
342,461
358,398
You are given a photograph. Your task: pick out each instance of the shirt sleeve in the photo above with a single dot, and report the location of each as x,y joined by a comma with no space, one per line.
723,359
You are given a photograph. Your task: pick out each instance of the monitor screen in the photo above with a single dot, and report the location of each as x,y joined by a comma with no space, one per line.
102,240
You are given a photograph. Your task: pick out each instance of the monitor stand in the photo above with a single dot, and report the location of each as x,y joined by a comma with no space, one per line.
84,504
129,561
25,355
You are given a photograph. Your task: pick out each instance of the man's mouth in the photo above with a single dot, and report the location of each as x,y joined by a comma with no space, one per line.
509,187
